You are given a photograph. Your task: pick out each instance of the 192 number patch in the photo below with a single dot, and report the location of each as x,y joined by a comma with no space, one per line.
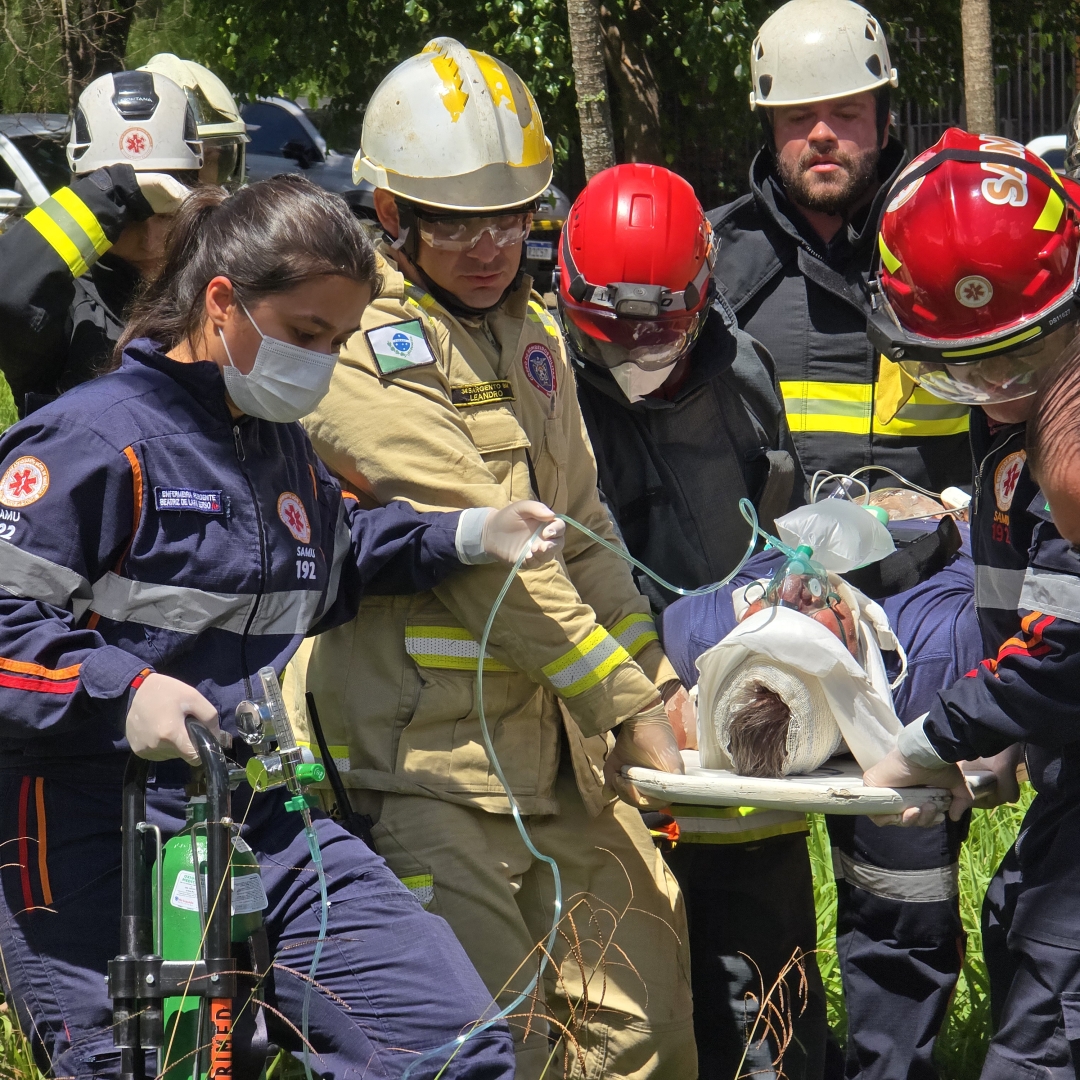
305,569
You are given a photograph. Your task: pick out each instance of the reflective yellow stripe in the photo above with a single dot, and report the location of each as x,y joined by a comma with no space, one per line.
340,754
635,632
892,263
733,824
448,647
997,346
422,886
749,836
585,665
1051,213
57,239
847,408
425,300
828,406
926,414
538,314
85,219
69,227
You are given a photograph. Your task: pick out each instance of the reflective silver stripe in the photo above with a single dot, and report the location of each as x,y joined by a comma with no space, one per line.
342,547
191,611
944,411
31,577
1051,593
914,886
998,588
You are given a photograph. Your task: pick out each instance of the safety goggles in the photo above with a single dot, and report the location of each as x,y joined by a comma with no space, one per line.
464,233
607,340
991,380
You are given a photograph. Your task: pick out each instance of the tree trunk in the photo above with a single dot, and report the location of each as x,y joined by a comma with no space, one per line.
639,96
93,35
594,109
978,66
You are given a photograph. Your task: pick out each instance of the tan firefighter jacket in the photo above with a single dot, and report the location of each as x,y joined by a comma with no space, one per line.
448,415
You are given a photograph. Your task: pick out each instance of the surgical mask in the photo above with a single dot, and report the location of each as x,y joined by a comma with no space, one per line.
637,382
286,382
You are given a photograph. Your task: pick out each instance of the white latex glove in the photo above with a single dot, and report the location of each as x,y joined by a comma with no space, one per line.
896,771
163,192
508,530
155,726
646,740
1003,766
682,715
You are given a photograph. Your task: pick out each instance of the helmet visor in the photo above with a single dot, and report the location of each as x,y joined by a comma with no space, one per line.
223,161
609,340
997,379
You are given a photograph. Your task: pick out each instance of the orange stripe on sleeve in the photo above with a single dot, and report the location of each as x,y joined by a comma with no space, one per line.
137,501
21,667
43,849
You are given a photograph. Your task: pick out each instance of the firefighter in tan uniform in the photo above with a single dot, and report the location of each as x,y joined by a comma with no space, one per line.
457,393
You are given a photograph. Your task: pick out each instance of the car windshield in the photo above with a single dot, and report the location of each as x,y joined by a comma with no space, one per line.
46,157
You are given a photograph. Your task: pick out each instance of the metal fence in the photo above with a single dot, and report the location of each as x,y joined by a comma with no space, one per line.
1034,96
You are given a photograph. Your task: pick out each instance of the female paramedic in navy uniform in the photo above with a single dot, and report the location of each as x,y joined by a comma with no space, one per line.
167,531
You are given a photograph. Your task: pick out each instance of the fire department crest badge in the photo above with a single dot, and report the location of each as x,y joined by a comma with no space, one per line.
24,482
136,143
1006,477
539,368
291,511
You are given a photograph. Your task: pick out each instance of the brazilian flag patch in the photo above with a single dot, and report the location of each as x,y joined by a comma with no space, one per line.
399,346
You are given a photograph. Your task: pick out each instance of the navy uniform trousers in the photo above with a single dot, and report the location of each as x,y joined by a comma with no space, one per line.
392,979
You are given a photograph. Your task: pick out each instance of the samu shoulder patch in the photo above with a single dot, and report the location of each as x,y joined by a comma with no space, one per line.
399,346
24,482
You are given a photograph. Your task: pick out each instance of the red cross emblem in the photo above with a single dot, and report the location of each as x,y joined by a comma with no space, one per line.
24,482
136,143
294,517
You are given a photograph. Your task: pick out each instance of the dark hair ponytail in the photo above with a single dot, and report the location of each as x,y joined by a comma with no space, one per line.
266,238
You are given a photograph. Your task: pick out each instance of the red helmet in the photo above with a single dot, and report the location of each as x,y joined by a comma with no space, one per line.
634,264
977,287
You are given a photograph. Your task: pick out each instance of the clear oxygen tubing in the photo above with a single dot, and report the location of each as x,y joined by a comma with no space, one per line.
823,476
746,508
324,912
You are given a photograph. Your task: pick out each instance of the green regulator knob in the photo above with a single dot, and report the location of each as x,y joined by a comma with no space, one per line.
310,772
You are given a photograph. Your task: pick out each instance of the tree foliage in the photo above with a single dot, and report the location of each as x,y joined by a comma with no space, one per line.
678,69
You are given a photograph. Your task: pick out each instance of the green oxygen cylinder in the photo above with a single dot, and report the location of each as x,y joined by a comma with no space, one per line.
182,926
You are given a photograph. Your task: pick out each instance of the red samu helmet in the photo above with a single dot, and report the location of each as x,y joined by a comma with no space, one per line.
634,264
976,292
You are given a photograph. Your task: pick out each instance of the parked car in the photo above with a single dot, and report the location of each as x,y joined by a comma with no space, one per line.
283,139
542,247
1051,148
32,161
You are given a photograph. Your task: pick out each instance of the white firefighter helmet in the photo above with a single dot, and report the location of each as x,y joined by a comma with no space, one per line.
221,128
814,50
136,118
457,130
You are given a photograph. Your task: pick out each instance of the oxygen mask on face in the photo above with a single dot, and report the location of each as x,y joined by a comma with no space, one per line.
802,584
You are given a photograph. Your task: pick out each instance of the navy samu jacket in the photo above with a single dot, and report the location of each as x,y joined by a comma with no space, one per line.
143,529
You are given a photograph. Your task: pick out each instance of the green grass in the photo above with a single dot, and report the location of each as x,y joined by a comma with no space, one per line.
964,1036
